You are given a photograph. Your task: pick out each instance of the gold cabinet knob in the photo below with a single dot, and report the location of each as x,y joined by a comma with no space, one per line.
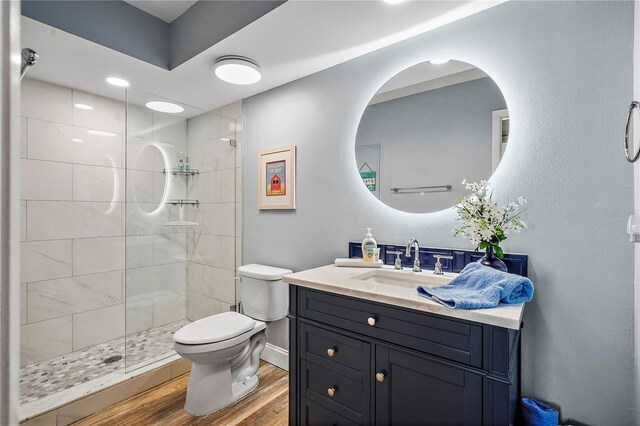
331,351
371,321
380,376
331,391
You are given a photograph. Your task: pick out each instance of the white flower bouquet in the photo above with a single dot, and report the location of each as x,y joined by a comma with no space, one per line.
485,222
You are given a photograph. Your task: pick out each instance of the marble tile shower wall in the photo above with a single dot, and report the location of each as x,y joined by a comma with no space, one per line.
214,246
73,222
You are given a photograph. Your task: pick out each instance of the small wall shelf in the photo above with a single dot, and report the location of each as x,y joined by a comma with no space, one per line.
178,172
182,202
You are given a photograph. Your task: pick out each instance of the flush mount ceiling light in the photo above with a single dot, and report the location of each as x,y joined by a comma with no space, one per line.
100,133
439,61
237,70
117,82
83,106
162,106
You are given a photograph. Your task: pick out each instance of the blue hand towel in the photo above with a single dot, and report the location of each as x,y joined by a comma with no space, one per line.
535,413
479,286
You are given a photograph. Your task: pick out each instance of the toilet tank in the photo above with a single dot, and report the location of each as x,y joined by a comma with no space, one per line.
263,294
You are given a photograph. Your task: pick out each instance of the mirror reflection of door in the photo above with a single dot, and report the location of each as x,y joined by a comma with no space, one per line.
432,125
499,136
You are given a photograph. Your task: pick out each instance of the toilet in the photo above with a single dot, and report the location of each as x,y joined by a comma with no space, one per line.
225,348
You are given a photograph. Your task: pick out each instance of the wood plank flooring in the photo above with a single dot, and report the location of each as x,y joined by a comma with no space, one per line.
163,405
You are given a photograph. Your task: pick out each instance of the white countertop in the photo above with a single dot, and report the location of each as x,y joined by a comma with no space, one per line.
340,280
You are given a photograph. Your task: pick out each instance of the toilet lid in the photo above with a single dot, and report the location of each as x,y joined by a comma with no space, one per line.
214,329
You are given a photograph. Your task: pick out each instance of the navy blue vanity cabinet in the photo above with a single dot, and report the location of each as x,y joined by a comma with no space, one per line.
356,362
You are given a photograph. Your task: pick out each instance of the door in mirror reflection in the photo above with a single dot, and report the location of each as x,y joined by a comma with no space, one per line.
427,129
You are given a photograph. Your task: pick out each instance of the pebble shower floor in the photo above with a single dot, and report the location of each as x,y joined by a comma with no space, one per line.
57,374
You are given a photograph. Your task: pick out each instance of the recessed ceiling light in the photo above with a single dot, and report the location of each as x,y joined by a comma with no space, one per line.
76,140
83,106
167,107
100,133
394,1
117,82
439,61
237,70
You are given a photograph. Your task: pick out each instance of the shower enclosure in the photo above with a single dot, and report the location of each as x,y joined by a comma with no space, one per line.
130,230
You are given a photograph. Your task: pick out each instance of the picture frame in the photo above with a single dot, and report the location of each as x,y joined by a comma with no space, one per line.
277,178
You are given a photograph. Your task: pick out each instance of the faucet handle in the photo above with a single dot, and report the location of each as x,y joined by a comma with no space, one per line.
398,262
437,268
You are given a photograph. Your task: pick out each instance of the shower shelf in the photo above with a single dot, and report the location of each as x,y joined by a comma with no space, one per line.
182,202
178,172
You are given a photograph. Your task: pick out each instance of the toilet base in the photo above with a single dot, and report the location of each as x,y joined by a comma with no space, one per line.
207,391
222,376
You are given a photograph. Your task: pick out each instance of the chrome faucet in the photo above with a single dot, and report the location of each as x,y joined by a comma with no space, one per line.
398,263
416,263
437,269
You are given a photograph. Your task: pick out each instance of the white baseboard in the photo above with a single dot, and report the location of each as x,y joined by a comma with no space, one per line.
276,356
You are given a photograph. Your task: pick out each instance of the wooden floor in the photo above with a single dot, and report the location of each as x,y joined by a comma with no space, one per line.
163,405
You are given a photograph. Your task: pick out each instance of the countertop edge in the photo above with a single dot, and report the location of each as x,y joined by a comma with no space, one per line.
482,316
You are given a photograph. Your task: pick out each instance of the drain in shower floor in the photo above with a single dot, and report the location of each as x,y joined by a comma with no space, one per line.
112,359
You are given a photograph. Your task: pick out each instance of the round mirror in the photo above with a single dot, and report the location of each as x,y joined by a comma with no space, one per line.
428,128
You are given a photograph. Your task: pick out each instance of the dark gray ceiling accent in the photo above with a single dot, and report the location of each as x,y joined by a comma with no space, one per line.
118,25
114,24
209,22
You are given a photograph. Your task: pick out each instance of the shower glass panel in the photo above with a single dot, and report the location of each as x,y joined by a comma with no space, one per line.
180,222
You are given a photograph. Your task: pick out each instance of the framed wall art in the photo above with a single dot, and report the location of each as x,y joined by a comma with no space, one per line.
277,178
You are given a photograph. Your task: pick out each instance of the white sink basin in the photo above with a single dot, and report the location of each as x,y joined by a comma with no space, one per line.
404,278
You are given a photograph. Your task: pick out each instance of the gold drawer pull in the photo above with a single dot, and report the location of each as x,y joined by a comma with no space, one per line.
331,391
371,321
331,351
381,376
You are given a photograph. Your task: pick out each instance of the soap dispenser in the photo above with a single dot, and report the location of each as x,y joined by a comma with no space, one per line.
369,247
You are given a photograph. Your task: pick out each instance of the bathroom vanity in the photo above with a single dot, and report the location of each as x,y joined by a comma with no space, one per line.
366,349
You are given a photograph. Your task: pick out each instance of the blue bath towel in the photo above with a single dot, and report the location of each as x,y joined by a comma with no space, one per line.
479,286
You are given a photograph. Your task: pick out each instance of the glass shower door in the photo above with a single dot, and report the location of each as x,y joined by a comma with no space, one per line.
180,245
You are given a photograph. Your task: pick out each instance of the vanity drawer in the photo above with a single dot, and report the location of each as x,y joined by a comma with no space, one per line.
346,355
451,339
346,397
313,414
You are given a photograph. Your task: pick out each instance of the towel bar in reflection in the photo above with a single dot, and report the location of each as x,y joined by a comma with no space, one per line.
421,189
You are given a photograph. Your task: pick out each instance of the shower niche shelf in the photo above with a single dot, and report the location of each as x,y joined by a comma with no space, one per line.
181,220
184,202
178,172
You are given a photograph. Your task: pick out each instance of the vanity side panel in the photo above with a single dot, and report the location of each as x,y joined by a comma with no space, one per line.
294,358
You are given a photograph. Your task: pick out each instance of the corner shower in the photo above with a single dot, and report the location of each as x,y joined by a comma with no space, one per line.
121,245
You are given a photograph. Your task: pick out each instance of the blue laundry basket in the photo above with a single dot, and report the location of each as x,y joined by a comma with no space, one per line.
535,413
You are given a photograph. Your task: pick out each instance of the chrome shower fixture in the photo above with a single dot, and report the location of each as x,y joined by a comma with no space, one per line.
29,58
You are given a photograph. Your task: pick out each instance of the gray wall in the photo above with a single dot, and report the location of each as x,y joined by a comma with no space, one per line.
436,137
565,69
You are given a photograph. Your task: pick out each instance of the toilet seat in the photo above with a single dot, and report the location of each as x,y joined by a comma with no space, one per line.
183,349
213,329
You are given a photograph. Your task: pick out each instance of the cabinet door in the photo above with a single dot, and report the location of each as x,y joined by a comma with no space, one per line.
418,390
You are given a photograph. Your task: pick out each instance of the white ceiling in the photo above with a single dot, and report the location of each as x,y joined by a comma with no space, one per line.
167,10
294,40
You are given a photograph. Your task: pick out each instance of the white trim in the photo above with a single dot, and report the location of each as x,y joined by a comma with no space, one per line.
496,137
9,211
276,356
